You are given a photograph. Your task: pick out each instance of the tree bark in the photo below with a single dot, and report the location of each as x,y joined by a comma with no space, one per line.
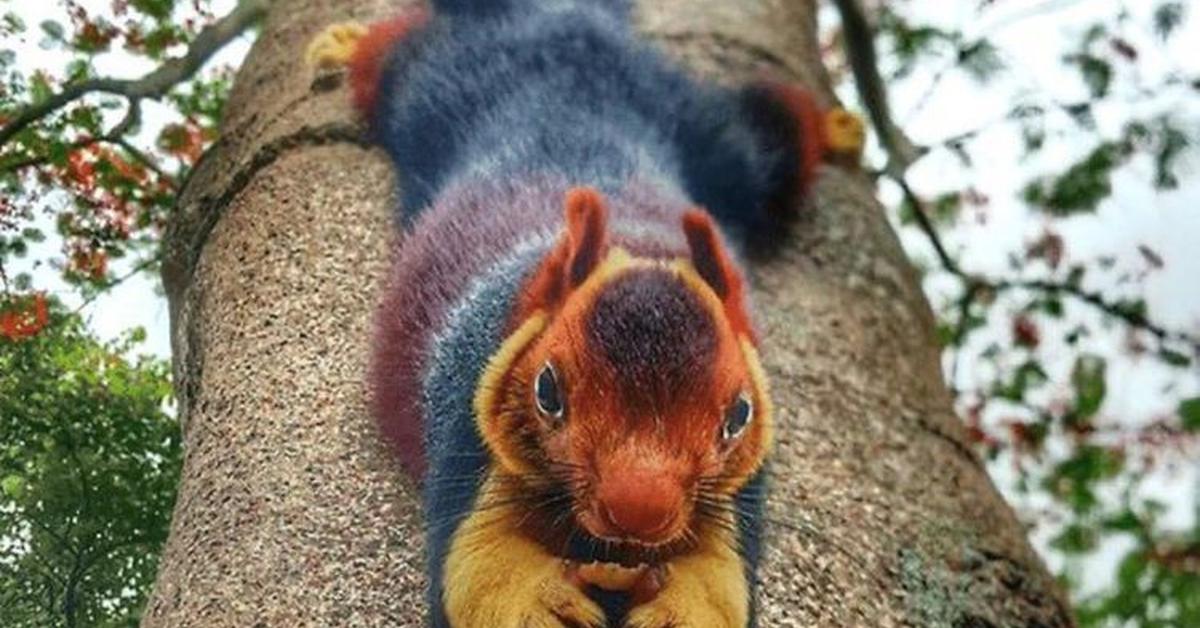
291,510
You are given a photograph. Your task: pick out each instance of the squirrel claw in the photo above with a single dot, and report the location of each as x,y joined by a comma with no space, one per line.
335,45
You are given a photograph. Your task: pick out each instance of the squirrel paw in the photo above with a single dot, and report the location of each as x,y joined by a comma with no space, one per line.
335,45
694,600
845,133
551,598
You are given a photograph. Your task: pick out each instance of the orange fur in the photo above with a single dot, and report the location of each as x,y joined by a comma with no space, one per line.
578,252
366,65
617,452
810,127
713,263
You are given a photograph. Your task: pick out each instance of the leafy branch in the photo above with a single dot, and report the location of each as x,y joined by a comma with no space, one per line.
902,153
152,85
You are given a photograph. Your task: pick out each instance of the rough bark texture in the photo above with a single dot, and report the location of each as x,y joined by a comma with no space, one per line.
291,512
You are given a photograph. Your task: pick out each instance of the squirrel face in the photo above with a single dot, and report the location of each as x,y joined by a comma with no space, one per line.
631,384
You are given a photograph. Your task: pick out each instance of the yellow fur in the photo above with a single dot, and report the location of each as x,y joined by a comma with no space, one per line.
763,410
845,133
335,45
704,589
498,578
491,384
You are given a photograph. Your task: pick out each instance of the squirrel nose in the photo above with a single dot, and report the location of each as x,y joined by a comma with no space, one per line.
642,506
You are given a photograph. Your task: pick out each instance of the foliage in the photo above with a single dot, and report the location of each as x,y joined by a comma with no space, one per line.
89,452
1030,357
88,467
109,193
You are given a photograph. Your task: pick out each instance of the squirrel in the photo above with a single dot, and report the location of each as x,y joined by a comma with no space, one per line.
565,357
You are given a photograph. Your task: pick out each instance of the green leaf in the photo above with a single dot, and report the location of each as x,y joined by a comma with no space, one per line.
1027,376
53,30
1081,187
1189,414
1076,539
1174,358
13,486
1088,378
1172,144
12,23
1125,521
158,9
1167,17
1097,74
981,60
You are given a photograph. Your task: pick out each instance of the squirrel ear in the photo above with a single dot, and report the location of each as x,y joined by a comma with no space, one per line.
714,265
587,233
709,258
576,255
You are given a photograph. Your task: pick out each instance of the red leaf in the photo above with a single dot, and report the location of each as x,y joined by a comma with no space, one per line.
26,320
1025,332
1124,48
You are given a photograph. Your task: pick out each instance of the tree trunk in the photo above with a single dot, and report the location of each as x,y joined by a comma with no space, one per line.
291,510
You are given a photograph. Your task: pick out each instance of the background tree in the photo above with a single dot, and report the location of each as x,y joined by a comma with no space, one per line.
1032,346
88,470
1030,352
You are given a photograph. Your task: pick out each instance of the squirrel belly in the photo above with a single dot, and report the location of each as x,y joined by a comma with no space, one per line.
565,356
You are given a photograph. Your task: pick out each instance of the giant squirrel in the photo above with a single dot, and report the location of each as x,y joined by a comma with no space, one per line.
565,357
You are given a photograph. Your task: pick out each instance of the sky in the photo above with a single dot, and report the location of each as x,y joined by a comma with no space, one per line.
1028,33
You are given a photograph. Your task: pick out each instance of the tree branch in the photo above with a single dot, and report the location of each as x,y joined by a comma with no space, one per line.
902,153
859,40
132,117
135,270
154,84
975,284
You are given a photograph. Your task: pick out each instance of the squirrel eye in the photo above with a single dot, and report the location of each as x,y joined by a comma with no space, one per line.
547,395
737,418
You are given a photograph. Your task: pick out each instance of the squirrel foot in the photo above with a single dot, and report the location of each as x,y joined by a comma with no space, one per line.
845,134
335,45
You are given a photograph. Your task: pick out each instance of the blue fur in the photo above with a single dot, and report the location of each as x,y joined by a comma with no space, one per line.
751,509
514,90
473,332
519,88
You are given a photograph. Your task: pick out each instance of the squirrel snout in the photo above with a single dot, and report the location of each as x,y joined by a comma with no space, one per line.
643,507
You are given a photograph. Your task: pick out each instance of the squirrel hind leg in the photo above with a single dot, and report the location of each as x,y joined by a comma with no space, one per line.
363,50
818,135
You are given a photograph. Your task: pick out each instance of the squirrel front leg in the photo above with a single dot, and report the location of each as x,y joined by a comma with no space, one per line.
496,577
704,589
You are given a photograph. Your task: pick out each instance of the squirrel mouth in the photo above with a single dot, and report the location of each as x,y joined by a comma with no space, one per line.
585,548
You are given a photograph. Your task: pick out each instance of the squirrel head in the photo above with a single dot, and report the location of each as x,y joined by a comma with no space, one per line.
632,384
